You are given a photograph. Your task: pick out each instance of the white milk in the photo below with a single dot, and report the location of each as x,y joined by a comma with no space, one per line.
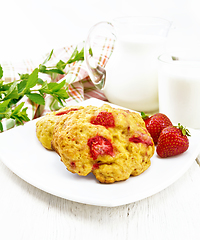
179,92
131,72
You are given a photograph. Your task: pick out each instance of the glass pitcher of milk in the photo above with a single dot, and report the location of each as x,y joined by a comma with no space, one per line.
129,78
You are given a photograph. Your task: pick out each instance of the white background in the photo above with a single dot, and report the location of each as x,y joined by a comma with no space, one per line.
30,28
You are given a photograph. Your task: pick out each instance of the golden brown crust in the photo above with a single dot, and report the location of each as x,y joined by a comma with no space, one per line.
45,125
129,157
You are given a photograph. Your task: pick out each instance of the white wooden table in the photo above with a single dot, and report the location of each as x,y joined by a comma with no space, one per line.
27,213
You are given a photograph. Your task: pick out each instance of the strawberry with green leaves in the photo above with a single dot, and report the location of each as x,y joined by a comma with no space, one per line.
173,141
155,124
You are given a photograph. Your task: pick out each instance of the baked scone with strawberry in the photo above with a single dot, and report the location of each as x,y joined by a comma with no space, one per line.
111,143
45,125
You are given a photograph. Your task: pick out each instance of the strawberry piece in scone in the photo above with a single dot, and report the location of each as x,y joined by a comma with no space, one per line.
100,146
105,119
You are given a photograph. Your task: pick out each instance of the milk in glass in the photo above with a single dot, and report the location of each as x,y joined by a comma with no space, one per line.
179,92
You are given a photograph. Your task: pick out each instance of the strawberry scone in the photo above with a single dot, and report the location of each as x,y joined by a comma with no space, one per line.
111,143
45,125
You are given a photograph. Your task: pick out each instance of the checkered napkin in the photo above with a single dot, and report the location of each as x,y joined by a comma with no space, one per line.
78,84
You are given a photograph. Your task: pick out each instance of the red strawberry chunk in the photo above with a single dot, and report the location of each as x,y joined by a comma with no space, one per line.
105,119
95,166
73,164
142,138
66,111
100,146
171,142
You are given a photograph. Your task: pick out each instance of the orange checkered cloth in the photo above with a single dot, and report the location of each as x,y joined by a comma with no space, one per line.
79,86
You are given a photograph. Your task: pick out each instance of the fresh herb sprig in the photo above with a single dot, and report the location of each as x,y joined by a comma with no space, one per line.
60,66
33,87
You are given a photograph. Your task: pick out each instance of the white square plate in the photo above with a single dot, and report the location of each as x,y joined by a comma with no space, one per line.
23,154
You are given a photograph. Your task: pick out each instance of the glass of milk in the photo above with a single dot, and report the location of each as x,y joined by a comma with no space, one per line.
179,88
130,77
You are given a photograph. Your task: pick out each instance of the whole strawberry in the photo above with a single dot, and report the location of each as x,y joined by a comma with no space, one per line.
155,124
173,140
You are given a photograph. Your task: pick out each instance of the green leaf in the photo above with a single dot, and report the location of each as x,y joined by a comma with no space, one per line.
5,87
55,89
74,53
1,127
51,85
76,56
8,113
32,79
1,72
184,130
18,119
24,113
40,81
45,85
48,57
18,108
44,88
15,101
12,92
42,68
22,85
4,105
56,86
61,65
20,115
62,94
36,98
58,99
144,115
90,52
24,76
54,70
1,83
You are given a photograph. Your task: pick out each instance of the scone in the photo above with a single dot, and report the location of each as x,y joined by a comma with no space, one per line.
45,125
111,143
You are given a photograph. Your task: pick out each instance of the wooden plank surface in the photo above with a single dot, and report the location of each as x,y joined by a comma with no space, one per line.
29,213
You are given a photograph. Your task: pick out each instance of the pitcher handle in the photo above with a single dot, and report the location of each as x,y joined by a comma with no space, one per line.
96,72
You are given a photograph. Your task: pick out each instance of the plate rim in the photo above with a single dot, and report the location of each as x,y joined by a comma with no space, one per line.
118,202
